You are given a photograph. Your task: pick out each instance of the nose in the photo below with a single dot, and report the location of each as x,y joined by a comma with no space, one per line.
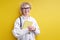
26,10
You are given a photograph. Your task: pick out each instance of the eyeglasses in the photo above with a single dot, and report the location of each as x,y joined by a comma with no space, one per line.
26,8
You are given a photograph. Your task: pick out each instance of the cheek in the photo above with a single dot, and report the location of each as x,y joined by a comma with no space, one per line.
23,11
28,10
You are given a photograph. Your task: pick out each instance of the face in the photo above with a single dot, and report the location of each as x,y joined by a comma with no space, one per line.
25,10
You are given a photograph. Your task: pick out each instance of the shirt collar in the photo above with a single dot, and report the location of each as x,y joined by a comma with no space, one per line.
25,17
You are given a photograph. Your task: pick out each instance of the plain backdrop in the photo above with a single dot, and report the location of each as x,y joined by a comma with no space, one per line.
46,12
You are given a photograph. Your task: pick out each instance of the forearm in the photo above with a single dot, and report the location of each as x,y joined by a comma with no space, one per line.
19,33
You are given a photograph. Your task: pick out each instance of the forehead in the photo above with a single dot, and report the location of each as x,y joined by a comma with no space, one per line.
25,5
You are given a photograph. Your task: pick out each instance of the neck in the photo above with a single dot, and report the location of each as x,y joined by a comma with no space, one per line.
26,16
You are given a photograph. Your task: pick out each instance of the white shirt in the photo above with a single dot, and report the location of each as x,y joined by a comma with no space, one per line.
22,34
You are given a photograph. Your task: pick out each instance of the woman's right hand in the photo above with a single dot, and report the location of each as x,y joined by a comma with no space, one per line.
31,28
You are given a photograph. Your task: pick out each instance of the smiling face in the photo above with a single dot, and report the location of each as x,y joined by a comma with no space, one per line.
25,9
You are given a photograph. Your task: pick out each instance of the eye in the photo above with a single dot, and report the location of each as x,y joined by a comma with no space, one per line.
26,8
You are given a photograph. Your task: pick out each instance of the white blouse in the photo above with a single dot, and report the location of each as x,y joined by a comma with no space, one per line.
22,34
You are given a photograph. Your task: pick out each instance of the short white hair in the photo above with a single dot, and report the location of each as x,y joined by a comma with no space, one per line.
25,3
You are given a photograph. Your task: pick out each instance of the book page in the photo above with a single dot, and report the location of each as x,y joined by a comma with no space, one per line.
27,23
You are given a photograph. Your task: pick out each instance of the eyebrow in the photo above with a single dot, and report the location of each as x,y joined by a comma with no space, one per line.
26,8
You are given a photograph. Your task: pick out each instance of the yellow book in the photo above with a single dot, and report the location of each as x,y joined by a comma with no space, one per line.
27,23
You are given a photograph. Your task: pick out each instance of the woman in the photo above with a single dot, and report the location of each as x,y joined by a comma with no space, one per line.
29,32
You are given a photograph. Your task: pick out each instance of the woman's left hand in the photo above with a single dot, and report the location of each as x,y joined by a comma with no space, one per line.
31,28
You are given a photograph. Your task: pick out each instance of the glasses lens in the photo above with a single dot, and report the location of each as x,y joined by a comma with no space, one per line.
26,8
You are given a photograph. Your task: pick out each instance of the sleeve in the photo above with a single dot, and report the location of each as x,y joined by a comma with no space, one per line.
37,31
17,32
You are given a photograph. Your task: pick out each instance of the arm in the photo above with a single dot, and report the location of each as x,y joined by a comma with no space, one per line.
17,32
37,30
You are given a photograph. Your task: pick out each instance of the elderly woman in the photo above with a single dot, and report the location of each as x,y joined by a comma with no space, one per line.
29,32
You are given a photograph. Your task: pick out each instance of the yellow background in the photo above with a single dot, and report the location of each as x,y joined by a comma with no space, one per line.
46,12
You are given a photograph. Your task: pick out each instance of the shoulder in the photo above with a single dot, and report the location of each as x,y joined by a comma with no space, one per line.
32,18
17,19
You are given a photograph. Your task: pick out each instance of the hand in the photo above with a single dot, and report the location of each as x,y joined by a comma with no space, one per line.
31,28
